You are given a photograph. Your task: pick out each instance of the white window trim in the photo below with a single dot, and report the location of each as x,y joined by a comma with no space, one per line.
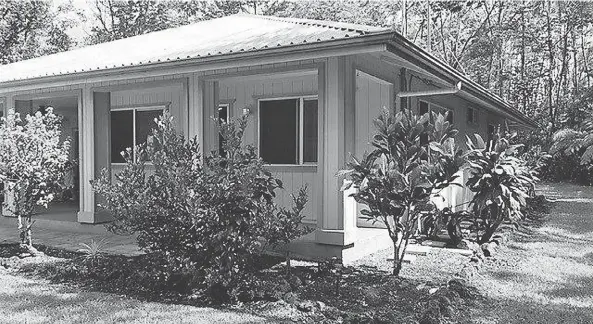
431,105
134,110
300,127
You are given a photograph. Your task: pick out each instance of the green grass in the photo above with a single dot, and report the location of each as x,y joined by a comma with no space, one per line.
24,300
545,272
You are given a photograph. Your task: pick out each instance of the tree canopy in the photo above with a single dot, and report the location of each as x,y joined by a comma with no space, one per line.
535,54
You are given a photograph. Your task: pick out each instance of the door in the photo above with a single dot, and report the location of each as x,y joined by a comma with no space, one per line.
371,97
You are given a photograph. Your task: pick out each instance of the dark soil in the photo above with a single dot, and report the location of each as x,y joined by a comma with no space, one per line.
310,293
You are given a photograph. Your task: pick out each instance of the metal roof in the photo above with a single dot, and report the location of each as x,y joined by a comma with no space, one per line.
232,34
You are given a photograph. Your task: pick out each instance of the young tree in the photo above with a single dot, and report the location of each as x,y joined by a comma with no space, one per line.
32,161
413,159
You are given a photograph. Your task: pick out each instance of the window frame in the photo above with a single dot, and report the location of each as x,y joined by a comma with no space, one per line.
134,109
430,110
474,121
301,130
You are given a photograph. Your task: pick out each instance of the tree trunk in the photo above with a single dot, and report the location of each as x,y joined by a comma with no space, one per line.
550,67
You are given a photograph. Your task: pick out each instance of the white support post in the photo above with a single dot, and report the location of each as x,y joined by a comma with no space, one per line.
87,155
8,197
337,223
196,108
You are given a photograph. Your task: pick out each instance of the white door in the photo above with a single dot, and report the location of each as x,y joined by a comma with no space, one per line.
372,96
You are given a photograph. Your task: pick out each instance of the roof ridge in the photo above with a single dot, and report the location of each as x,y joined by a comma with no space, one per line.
314,22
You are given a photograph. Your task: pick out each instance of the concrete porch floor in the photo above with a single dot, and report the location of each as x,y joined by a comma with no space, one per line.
61,230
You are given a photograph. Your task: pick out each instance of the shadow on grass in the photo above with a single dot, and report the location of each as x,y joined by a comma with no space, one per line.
528,312
26,301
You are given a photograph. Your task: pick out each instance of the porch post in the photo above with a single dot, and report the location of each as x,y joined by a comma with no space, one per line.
196,108
337,222
86,213
93,110
8,104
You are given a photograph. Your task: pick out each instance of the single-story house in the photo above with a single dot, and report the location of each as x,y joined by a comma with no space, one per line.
311,90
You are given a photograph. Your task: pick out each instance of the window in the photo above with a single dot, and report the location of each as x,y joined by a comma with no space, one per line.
472,116
223,117
426,107
131,127
491,133
288,130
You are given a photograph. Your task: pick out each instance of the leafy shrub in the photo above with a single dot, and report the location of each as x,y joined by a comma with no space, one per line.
500,181
32,163
396,180
209,216
574,146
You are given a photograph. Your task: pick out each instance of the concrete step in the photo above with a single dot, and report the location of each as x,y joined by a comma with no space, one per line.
431,243
408,258
416,249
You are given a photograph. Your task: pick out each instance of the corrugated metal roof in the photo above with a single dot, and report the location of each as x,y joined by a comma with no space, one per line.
232,34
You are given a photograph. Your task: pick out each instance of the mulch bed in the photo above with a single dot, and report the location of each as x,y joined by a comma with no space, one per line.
310,293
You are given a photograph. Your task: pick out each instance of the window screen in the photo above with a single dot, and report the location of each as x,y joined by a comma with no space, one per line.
310,137
279,131
145,124
223,117
423,107
122,133
470,115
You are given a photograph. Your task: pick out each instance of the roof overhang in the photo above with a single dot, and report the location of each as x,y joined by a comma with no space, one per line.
386,41
472,91
376,42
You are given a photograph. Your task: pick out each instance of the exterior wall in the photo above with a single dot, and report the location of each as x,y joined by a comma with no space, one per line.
171,96
379,89
244,93
357,98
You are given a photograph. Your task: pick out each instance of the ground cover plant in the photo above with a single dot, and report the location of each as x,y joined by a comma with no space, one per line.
413,158
208,217
33,159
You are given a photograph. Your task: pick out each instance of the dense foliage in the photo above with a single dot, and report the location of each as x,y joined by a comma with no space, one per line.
208,216
575,142
413,159
32,164
500,180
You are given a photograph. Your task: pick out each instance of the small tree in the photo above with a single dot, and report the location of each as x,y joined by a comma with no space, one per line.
413,158
500,181
32,162
209,216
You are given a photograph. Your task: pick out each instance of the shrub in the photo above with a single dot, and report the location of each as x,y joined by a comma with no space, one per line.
500,181
32,162
209,216
576,146
413,158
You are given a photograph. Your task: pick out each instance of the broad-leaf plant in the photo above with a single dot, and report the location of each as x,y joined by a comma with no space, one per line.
413,159
500,181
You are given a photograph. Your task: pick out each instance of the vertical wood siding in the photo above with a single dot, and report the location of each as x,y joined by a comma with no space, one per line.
244,93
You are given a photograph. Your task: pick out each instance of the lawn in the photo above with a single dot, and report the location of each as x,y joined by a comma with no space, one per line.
27,300
544,273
